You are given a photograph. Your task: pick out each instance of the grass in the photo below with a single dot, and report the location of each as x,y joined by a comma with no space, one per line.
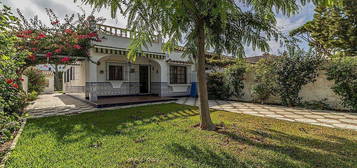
164,136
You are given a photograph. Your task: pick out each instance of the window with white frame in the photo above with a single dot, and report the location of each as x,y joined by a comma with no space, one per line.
115,72
178,74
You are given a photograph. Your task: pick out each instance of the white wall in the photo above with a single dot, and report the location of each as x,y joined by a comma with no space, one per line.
320,90
50,88
25,83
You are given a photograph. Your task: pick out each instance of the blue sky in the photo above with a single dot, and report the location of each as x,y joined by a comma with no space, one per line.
62,7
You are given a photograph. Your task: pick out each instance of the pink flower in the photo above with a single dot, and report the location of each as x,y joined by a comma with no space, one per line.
20,35
49,54
65,59
55,22
21,79
83,36
58,51
93,34
41,36
76,46
27,32
9,81
32,57
15,85
68,31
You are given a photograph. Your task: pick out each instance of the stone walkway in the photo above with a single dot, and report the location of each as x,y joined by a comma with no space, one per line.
61,104
57,104
316,117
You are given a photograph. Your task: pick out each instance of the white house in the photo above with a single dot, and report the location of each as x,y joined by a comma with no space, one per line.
110,73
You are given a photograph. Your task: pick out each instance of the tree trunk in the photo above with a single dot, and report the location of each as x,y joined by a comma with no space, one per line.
206,122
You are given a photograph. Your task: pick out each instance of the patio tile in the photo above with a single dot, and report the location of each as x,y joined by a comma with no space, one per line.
321,124
305,120
314,116
349,121
335,116
330,121
294,116
286,119
348,126
274,116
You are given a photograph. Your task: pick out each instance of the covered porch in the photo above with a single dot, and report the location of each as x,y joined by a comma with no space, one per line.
111,101
115,76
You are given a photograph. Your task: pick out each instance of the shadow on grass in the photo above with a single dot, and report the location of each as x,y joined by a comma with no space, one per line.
204,156
337,152
70,129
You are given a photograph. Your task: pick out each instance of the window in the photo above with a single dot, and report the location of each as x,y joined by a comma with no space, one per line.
178,75
71,73
67,75
115,72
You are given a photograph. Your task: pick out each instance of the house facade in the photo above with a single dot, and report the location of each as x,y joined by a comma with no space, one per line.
110,73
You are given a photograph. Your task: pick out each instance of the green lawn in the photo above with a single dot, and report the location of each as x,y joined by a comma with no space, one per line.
165,136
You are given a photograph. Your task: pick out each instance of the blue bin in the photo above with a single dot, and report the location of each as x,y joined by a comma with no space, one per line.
193,89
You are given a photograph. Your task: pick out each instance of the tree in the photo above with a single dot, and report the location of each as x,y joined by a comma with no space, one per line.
333,29
221,25
61,43
292,71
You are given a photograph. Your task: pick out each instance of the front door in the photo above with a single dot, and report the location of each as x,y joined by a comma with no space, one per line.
144,79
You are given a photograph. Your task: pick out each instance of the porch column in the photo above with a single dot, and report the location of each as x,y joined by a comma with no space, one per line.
164,78
92,81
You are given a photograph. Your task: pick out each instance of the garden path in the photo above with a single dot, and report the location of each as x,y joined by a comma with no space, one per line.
316,117
61,104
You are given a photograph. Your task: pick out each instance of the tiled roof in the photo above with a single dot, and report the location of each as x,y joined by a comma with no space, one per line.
255,59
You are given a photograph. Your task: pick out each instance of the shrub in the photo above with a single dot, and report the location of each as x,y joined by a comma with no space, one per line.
32,96
37,80
233,78
265,80
12,98
8,125
216,87
294,70
344,73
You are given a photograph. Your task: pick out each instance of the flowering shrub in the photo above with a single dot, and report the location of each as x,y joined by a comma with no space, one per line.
61,42
12,99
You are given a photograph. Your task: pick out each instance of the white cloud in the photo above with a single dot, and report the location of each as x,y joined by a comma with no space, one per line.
62,7
31,8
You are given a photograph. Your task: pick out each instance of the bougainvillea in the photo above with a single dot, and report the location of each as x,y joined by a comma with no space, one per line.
62,42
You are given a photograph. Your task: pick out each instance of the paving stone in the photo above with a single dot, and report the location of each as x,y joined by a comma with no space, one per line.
330,121
305,120
349,121
302,113
286,119
314,116
294,116
348,126
256,114
351,116
321,124
274,116
334,116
